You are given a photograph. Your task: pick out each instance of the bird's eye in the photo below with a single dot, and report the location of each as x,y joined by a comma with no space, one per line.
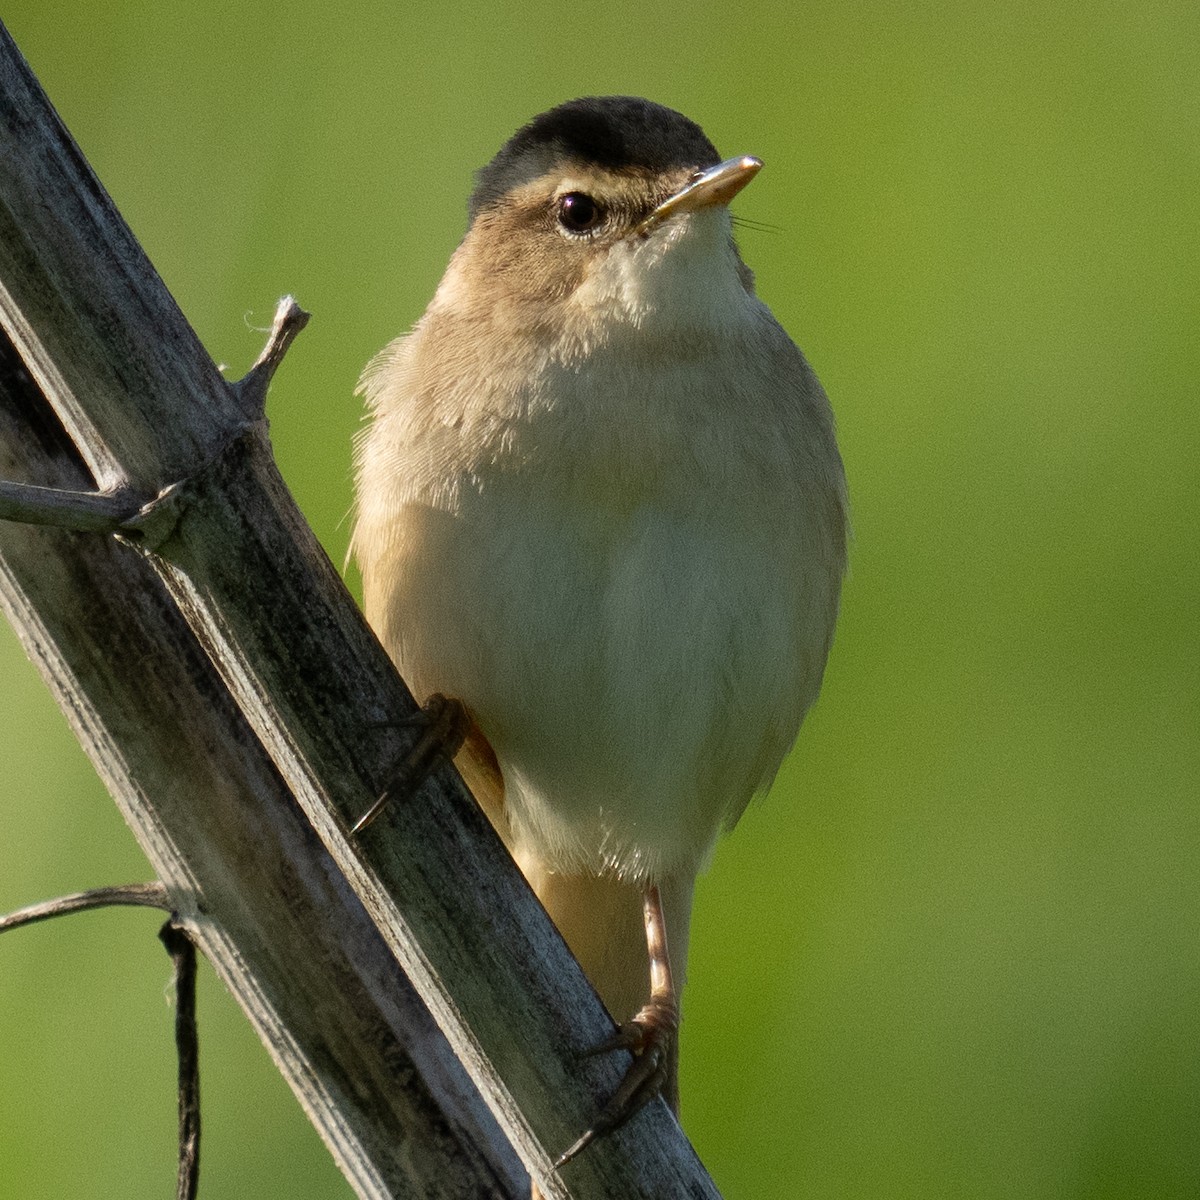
579,213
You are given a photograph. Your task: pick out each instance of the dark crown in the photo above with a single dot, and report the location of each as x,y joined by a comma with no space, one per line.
609,131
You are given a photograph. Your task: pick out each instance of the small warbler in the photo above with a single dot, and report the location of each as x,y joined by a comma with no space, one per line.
600,504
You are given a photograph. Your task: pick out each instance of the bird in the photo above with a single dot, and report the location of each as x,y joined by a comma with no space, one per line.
600,507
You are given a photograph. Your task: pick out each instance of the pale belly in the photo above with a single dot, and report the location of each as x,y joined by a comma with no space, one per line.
640,669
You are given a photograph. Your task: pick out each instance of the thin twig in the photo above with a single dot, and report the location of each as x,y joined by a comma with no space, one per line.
183,957
187,1045
144,895
87,512
290,319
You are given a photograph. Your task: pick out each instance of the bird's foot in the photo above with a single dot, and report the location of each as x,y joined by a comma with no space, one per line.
651,1037
442,724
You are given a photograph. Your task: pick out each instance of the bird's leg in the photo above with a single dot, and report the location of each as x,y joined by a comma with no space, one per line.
652,1037
442,725
656,1026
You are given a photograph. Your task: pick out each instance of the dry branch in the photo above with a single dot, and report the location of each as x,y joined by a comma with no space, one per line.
251,882
253,847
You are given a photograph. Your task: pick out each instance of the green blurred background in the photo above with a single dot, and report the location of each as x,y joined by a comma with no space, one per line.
956,951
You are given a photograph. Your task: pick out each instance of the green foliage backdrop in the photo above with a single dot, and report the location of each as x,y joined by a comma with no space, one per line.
955,952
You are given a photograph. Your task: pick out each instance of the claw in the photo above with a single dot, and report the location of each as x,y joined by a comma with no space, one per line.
651,1038
443,725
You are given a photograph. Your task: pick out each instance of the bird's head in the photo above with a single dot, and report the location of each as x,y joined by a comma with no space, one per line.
603,211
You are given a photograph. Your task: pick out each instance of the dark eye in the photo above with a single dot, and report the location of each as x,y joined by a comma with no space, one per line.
579,213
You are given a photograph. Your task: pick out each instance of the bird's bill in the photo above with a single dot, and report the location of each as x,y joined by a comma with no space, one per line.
717,185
